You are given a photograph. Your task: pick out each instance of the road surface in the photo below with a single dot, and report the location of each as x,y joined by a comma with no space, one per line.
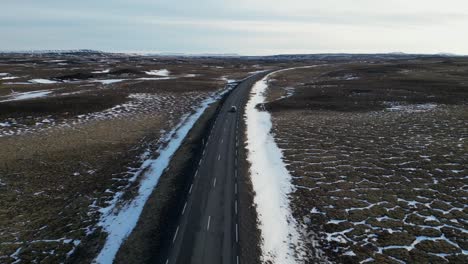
208,226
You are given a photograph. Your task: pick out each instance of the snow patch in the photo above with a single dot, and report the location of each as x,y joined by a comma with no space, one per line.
191,75
336,221
109,81
289,92
350,77
349,253
26,95
9,78
103,71
42,81
162,72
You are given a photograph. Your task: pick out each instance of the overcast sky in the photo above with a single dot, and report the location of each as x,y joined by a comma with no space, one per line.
247,27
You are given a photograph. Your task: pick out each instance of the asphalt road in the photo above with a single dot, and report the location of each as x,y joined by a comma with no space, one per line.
208,226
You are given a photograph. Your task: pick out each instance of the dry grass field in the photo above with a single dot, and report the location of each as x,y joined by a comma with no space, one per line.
378,153
73,131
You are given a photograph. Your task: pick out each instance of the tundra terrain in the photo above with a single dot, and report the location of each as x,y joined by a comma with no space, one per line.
375,146
74,131
378,156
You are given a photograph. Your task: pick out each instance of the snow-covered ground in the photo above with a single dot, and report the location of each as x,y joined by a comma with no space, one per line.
119,221
281,239
256,72
42,81
9,78
102,71
224,78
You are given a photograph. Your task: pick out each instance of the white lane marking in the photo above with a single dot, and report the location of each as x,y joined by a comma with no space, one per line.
214,182
196,173
204,151
185,205
219,156
236,207
235,188
237,233
237,144
167,261
199,163
175,235
237,259
208,225
222,140
191,186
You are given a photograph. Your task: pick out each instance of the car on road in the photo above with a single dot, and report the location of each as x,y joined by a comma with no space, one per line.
233,109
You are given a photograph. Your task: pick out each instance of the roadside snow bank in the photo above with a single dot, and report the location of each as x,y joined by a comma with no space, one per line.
281,239
119,221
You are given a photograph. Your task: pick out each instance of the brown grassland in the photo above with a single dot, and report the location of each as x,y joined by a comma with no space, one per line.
65,155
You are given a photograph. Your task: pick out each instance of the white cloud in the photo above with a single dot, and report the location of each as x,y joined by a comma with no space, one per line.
226,26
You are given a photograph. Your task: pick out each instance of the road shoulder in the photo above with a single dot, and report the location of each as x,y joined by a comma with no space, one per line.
150,239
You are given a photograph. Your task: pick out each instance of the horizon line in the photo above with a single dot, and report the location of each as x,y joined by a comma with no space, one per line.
227,54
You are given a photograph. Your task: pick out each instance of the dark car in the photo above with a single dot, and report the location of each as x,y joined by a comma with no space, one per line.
233,109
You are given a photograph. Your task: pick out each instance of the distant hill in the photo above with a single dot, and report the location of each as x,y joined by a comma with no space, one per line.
323,56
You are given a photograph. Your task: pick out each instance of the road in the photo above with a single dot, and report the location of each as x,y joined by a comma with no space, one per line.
208,226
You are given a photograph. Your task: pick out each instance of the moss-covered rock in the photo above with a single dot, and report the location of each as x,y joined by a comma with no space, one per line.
437,246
